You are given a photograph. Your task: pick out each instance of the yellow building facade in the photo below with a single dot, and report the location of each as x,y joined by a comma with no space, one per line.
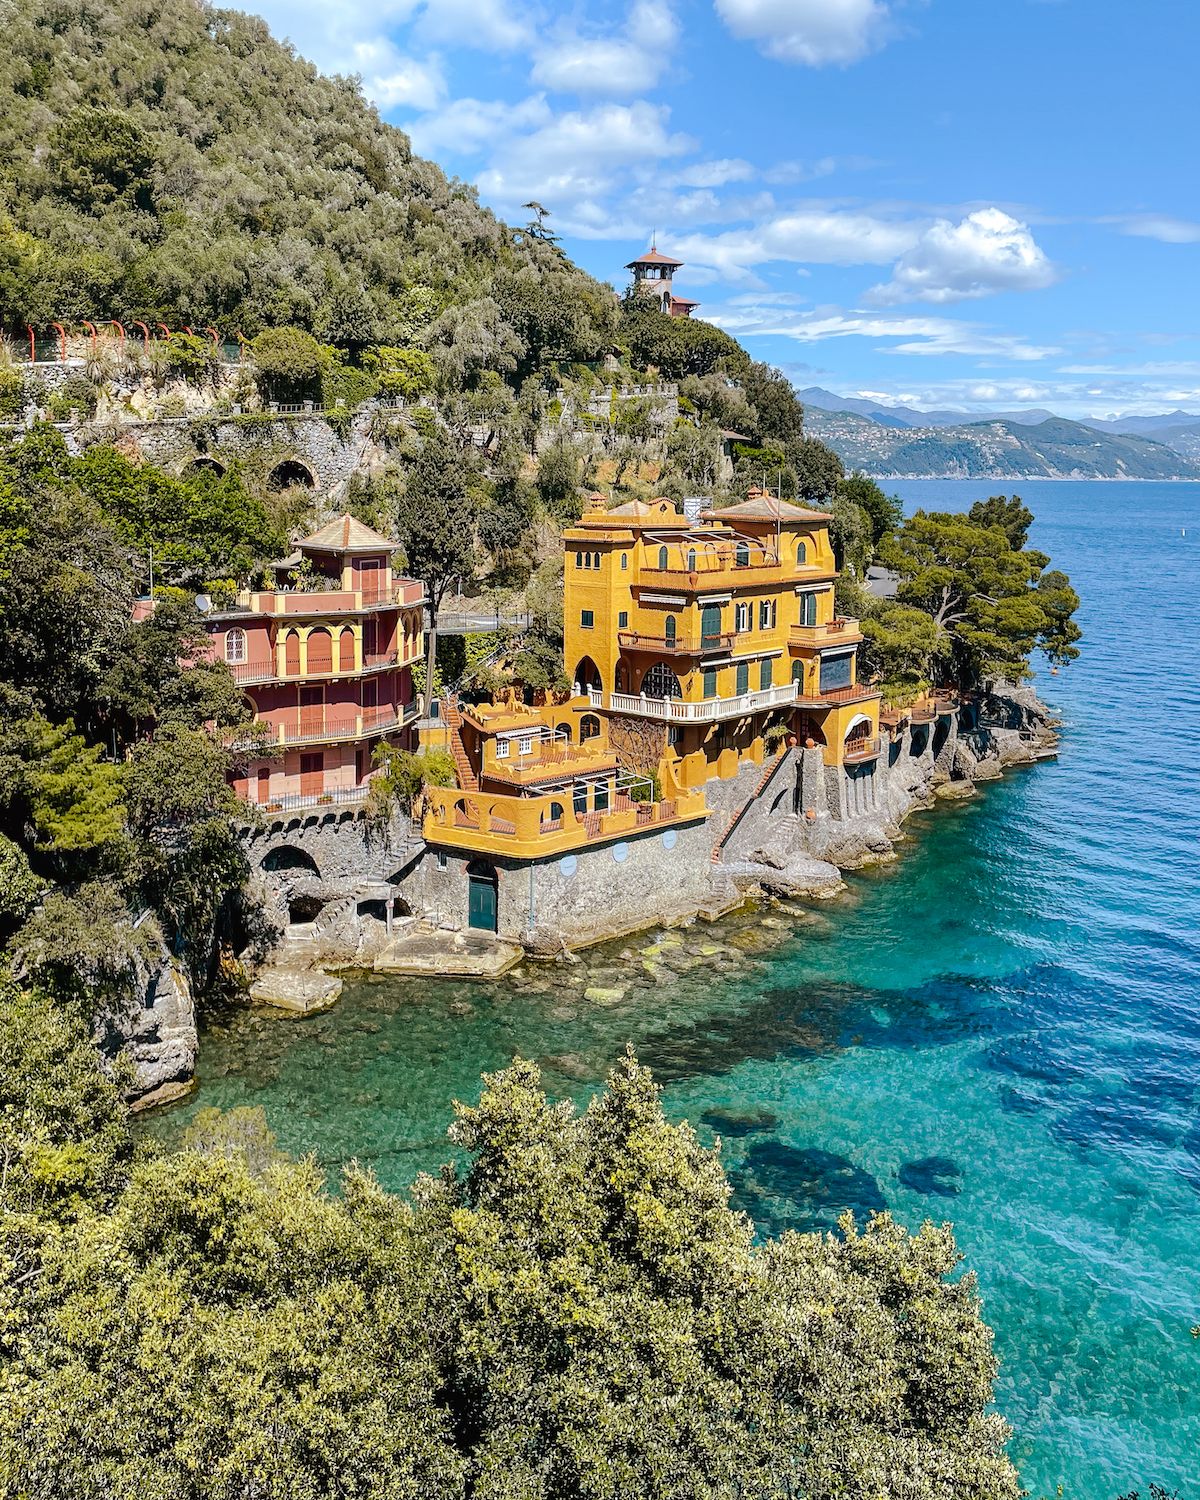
692,638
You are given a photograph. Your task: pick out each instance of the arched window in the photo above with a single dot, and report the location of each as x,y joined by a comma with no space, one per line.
661,682
692,560
669,627
662,558
291,655
589,727
798,673
579,559
320,651
801,553
741,555
624,561
235,646
595,559
587,674
346,651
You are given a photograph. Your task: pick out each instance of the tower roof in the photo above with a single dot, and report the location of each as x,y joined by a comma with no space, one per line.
761,506
653,257
345,534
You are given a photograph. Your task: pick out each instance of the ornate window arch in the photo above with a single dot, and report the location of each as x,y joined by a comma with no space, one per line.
661,682
662,559
669,627
801,552
235,646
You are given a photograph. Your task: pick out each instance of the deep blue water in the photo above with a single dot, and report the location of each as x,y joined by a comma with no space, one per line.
1001,1029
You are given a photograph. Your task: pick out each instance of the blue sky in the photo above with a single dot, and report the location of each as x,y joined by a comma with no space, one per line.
971,203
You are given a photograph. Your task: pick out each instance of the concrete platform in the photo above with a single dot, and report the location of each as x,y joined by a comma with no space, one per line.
301,990
464,955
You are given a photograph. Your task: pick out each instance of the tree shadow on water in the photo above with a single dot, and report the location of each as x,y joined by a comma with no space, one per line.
805,1188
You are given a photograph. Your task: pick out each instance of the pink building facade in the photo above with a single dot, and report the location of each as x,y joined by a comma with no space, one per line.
327,663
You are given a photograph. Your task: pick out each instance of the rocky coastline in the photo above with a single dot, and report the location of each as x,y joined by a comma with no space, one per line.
792,842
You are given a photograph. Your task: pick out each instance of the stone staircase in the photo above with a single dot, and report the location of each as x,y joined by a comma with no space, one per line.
736,816
467,778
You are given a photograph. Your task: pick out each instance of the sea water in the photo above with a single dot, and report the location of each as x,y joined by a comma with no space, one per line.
1001,1029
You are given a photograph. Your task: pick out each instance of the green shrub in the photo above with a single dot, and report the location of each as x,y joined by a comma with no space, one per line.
189,355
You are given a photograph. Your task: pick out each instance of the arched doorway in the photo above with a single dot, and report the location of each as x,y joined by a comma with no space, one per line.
587,675
661,682
483,885
206,465
320,652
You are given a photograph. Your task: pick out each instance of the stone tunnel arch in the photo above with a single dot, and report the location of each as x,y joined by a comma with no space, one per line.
288,857
206,464
291,472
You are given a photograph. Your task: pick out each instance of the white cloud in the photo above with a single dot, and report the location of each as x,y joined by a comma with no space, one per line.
394,80
923,335
714,174
815,32
466,126
629,62
577,160
1162,227
820,234
487,25
988,251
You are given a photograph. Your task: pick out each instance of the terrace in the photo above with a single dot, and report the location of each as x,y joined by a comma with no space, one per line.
702,711
840,632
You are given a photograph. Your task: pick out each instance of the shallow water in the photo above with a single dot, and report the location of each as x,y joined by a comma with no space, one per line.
1001,1029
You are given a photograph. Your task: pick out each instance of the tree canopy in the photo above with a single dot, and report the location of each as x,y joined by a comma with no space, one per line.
575,1314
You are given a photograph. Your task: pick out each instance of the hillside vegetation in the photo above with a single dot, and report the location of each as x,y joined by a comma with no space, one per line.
163,160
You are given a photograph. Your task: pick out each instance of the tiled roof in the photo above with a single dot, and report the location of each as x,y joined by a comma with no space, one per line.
345,534
653,257
763,507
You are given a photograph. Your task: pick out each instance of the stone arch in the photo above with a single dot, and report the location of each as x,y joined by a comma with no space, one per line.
320,650
206,464
289,857
302,909
587,674
661,682
291,472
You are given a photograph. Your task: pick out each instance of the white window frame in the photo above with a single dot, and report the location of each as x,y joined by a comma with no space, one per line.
236,657
502,748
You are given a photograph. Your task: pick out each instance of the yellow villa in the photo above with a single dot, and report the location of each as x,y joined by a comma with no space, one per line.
696,636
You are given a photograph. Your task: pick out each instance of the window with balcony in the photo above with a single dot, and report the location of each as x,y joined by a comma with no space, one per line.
808,608
710,682
661,682
235,647
669,628
743,678
765,674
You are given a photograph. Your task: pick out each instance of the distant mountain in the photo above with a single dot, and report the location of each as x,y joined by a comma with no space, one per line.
995,449
1155,427
909,416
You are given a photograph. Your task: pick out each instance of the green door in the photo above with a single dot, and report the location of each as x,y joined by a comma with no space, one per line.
710,624
481,899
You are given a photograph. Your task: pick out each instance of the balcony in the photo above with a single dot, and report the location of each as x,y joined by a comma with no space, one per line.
248,674
551,758
677,645
839,632
857,692
704,711
320,726
331,601
856,752
536,827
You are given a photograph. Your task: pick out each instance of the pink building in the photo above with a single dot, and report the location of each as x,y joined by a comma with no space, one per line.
327,664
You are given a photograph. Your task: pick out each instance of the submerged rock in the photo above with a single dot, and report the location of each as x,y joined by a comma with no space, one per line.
304,991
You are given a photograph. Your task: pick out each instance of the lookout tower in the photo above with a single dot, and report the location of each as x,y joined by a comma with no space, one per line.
654,274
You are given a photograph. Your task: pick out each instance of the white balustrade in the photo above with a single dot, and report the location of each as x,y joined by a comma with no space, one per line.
679,711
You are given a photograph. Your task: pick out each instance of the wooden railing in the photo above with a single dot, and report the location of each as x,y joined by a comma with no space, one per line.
862,748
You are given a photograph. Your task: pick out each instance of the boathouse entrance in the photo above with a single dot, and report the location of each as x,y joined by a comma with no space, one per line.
482,887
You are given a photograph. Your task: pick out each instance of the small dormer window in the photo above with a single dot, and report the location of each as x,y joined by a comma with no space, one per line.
235,647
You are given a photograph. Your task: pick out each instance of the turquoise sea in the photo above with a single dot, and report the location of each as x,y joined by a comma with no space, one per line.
1002,1028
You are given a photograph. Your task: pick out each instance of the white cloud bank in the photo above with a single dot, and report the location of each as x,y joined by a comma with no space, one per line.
814,32
627,62
988,251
